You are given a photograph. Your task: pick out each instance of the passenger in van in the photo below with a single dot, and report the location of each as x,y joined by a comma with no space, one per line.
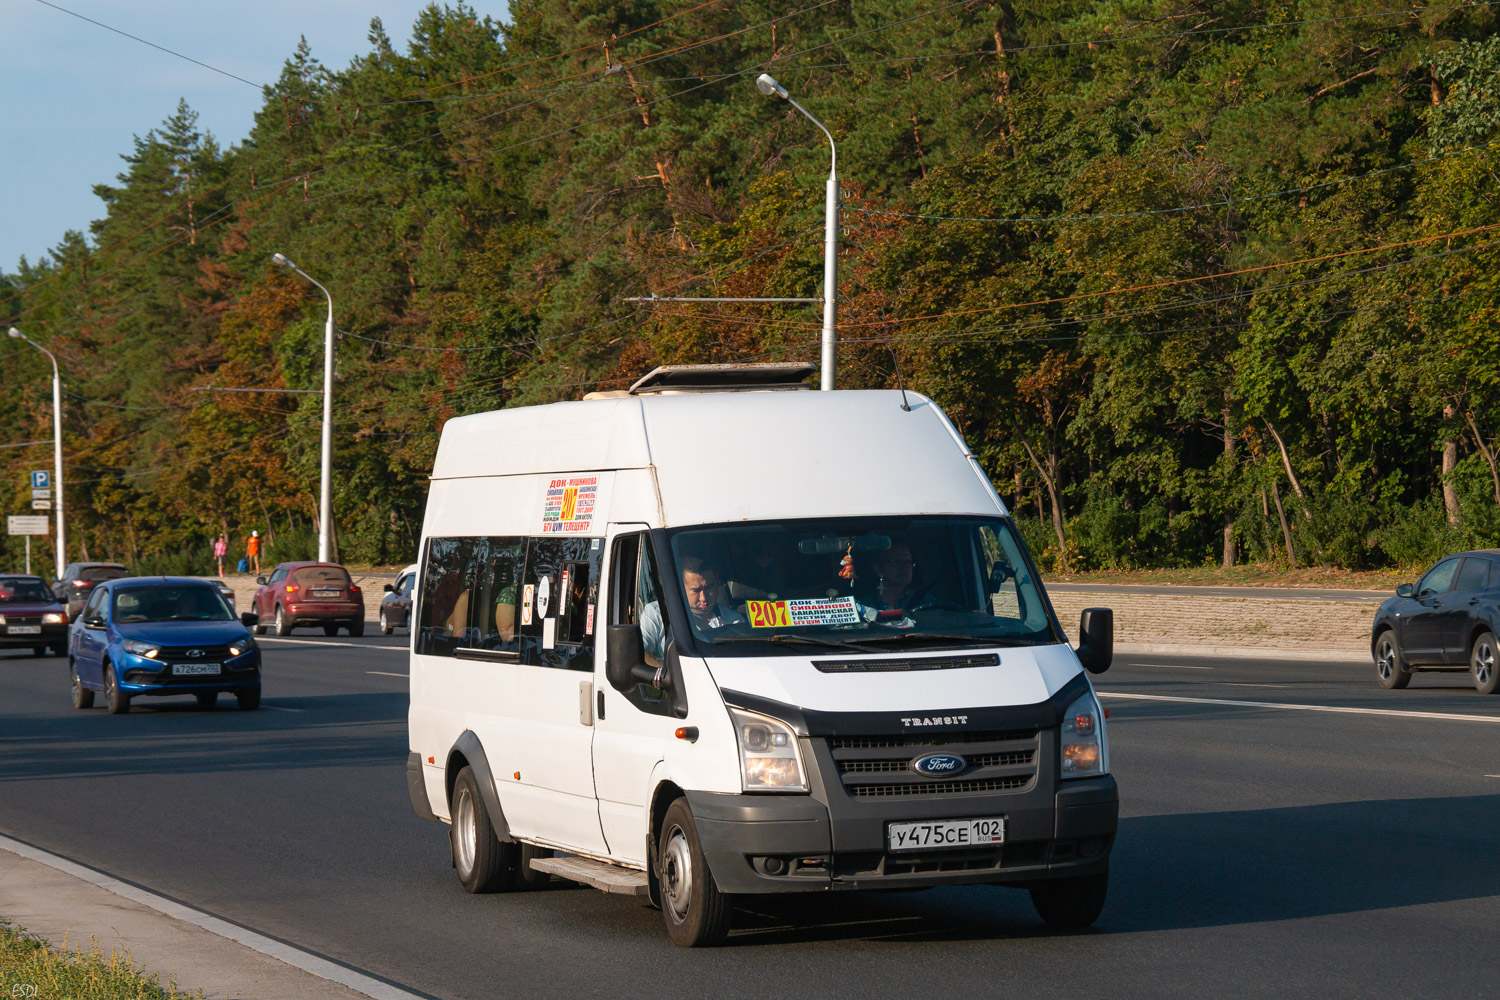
700,589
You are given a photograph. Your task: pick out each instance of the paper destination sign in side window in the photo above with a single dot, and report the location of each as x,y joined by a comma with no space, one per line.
571,504
813,611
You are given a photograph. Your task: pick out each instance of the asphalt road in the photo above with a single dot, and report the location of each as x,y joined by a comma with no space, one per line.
1263,851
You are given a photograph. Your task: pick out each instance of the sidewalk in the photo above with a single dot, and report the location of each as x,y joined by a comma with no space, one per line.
54,899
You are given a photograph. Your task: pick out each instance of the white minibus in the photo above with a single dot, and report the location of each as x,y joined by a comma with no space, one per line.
717,636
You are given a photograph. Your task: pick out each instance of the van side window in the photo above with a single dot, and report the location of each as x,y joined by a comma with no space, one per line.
496,609
447,587
556,637
1006,576
635,599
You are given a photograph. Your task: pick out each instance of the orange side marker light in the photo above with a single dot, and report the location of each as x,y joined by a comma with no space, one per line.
518,775
431,761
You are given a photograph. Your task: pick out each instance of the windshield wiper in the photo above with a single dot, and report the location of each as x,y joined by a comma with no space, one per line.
968,640
783,637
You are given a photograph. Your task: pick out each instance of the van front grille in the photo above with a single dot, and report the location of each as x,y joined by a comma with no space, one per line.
881,766
906,789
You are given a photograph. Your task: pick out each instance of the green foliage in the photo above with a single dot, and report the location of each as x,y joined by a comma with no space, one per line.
76,973
1135,254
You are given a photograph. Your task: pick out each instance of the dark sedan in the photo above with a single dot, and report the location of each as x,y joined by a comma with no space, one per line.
31,617
1448,620
79,580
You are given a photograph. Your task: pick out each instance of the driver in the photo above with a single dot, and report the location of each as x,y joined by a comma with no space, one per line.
894,569
700,588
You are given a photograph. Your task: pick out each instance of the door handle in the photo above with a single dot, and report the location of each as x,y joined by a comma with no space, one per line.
1473,601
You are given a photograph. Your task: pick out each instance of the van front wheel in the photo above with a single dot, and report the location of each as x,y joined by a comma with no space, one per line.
697,914
1071,903
484,864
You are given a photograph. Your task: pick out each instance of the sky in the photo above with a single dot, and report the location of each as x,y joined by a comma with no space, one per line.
77,93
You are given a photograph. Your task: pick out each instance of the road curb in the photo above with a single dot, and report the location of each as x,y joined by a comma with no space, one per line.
296,958
1320,654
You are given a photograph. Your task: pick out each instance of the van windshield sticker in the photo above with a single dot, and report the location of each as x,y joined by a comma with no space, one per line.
568,506
791,614
528,595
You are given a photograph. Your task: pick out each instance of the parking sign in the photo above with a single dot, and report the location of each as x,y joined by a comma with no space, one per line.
41,480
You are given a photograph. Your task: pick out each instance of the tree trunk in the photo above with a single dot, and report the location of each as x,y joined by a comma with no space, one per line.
1286,529
1290,475
1489,456
1057,523
1450,462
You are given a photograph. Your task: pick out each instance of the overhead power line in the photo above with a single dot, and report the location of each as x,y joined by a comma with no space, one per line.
159,48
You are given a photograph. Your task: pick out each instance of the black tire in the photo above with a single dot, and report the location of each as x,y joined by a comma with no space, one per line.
528,877
484,864
249,699
385,626
330,628
117,701
206,699
1484,663
696,913
357,629
259,627
82,696
283,623
1071,903
38,650
1390,668
61,649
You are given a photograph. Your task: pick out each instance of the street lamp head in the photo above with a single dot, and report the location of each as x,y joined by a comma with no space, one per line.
14,332
767,85
280,261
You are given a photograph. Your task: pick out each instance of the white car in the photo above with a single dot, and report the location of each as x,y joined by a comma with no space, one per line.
395,606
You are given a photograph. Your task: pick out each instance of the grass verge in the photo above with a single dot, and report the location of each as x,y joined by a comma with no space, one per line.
31,968
1315,577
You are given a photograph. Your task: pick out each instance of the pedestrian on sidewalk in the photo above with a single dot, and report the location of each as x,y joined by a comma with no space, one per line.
221,548
252,551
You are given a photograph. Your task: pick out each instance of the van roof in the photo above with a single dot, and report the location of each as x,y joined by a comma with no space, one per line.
739,455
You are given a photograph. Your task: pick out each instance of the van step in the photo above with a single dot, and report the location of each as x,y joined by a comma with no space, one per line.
599,874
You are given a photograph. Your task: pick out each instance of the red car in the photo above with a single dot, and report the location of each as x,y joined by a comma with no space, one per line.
298,594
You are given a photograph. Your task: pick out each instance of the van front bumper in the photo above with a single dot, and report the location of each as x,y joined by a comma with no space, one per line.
800,843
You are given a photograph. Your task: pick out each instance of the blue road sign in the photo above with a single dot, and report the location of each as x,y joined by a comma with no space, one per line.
41,480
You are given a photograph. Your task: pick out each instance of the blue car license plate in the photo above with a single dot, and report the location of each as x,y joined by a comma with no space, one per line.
187,669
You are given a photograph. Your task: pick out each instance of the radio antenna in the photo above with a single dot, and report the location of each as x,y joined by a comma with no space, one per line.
899,384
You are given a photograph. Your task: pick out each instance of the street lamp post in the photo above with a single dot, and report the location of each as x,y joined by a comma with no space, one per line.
325,517
57,472
768,86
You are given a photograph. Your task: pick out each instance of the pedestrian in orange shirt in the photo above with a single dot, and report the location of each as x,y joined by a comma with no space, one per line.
252,551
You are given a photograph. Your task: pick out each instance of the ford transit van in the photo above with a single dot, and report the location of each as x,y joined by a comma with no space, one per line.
717,636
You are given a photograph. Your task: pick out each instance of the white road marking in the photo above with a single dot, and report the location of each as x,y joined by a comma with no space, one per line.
1492,775
1447,716
1168,666
275,708
324,642
386,673
293,956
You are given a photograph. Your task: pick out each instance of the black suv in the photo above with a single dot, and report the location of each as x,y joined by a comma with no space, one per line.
78,582
1448,620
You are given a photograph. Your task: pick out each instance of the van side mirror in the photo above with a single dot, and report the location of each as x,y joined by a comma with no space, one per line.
625,652
249,619
1096,639
1406,590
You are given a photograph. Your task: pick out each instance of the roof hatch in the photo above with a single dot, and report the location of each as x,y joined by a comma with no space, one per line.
725,378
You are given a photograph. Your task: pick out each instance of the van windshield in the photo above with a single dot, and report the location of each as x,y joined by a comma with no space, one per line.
864,584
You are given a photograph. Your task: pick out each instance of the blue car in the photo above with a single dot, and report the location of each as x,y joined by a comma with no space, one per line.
162,635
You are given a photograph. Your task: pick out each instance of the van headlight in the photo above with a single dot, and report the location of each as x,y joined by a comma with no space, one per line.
769,758
1084,750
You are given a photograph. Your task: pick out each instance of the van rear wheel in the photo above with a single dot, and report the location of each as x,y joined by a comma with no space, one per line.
484,864
697,914
1071,903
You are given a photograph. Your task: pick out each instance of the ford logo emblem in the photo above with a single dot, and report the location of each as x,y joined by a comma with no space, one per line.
936,765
